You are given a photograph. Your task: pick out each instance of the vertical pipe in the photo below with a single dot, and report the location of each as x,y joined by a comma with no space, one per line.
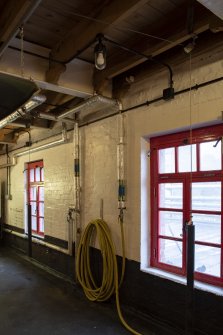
70,223
101,209
76,149
190,234
121,162
8,190
29,230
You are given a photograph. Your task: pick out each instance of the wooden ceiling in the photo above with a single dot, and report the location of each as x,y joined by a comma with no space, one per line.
53,42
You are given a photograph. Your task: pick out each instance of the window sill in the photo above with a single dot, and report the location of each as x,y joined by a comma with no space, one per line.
181,280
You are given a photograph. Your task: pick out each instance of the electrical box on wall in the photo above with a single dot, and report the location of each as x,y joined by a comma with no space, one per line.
168,93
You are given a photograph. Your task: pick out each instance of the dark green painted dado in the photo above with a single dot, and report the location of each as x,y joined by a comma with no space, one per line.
161,300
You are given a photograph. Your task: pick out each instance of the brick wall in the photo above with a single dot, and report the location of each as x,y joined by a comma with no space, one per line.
99,147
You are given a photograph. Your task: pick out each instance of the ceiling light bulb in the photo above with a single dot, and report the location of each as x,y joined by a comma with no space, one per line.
189,47
100,56
100,59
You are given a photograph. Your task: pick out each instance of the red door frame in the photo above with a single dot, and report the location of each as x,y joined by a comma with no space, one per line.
36,184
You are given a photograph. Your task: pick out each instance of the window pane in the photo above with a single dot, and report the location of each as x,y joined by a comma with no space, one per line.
41,209
207,260
184,158
37,174
206,196
41,225
210,156
170,252
34,227
32,193
170,223
207,228
33,208
170,195
31,175
167,160
42,174
41,193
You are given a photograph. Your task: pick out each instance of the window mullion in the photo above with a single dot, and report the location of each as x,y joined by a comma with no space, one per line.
176,160
222,229
198,156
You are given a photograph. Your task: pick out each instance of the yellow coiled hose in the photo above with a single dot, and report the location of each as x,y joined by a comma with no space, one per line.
110,283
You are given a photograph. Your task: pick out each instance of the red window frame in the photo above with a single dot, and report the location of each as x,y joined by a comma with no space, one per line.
35,183
199,136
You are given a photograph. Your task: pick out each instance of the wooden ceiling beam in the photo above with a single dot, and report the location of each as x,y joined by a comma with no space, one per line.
120,63
108,13
10,138
15,14
30,124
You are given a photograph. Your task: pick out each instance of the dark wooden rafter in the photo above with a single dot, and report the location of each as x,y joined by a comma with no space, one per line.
173,30
108,13
8,138
32,123
208,42
15,13
13,131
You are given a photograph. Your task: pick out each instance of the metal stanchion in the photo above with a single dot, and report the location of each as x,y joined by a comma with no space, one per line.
190,238
29,230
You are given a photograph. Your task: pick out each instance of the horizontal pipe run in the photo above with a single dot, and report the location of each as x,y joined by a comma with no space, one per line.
90,104
63,140
42,147
39,141
45,146
185,90
149,102
52,117
38,241
35,101
12,163
48,58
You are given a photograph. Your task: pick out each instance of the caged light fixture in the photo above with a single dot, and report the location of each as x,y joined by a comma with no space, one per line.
190,46
100,61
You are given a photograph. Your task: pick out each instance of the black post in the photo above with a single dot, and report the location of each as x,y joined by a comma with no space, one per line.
190,233
29,230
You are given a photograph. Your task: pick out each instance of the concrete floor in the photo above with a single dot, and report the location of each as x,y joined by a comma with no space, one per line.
33,301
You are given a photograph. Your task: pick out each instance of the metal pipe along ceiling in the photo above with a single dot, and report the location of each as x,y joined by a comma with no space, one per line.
95,103
45,146
64,138
32,103
50,116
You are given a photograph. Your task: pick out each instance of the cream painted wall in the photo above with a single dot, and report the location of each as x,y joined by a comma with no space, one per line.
99,147
58,189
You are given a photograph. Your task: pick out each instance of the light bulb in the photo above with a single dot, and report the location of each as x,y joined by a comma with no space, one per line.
100,59
100,56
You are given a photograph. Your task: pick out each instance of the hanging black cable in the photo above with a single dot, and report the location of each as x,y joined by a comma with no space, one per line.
137,53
